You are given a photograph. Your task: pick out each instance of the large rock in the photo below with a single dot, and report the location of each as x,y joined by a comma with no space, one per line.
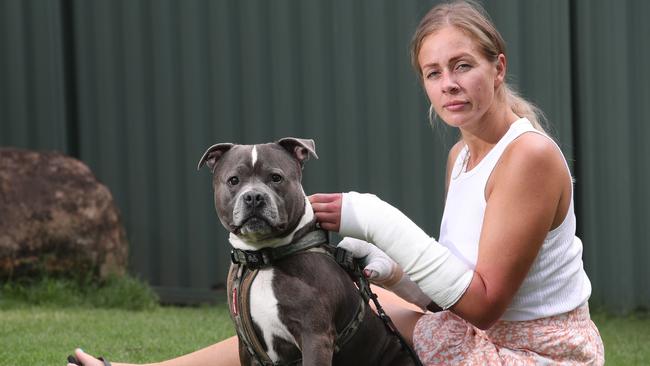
56,218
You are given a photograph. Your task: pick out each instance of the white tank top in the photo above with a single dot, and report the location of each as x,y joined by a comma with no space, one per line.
556,282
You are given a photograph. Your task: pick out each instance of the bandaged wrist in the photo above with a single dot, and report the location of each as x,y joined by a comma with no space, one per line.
385,272
441,276
409,291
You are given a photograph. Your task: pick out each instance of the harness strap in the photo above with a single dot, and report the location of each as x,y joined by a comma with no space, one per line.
345,335
238,301
241,279
346,260
245,267
255,259
348,332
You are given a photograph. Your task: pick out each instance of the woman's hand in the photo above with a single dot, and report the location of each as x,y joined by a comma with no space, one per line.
379,268
327,209
85,359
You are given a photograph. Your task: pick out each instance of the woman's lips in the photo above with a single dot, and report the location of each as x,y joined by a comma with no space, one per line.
455,106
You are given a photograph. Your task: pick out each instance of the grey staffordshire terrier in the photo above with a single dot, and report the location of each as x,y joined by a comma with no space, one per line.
303,308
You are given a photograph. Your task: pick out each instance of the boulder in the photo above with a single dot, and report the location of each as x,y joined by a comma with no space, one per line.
56,218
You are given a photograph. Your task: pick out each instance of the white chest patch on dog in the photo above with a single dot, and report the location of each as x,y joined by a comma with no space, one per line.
264,311
254,155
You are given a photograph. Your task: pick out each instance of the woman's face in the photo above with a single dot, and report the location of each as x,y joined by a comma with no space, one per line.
460,82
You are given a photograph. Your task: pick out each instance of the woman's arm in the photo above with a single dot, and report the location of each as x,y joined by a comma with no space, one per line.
523,198
439,274
527,195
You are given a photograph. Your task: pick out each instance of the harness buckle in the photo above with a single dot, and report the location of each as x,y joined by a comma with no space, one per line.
250,259
345,259
255,260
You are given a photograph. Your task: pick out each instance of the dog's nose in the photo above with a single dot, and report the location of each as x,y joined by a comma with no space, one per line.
254,199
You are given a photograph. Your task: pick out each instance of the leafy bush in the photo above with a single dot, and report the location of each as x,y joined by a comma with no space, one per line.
122,292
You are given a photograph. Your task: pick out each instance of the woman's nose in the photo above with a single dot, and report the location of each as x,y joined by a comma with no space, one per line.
449,83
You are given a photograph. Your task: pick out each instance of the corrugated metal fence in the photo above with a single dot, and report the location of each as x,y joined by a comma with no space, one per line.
137,89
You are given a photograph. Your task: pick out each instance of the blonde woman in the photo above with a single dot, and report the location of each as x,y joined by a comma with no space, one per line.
507,269
504,284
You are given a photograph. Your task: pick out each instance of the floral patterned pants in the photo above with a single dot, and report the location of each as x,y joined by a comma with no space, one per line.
567,339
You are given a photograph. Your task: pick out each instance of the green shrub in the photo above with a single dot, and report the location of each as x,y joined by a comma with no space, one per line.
123,292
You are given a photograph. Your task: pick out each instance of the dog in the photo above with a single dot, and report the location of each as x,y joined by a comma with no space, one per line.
291,302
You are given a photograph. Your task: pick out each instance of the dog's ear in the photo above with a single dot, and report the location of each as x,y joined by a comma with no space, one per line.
213,154
301,149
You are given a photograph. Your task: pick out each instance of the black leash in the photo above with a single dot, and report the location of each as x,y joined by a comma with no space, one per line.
354,267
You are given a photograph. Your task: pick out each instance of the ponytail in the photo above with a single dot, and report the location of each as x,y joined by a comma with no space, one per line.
524,108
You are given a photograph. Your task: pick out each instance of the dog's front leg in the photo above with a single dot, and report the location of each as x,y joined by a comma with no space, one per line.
317,349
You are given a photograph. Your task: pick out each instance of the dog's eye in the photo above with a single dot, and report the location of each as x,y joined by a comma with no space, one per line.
276,178
233,181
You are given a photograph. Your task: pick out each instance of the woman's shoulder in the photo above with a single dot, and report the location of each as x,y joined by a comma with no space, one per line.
532,149
533,155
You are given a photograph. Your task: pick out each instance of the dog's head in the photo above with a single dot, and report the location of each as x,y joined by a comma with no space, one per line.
257,188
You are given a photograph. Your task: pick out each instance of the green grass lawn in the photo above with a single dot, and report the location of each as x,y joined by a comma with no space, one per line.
37,335
42,323
43,335
626,339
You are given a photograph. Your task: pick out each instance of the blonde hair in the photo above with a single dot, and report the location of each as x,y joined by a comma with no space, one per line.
473,20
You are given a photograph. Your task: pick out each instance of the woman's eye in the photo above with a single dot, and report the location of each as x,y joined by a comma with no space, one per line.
233,181
276,178
463,67
432,74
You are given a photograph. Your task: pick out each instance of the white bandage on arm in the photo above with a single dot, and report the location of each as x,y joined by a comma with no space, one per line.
385,272
410,291
440,275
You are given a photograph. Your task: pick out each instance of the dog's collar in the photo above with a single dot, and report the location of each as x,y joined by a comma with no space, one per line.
256,259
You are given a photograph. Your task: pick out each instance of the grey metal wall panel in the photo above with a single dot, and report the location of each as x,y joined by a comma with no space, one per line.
160,81
146,115
156,82
613,112
538,41
32,100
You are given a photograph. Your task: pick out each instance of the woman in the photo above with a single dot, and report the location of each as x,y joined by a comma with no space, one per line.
508,266
507,270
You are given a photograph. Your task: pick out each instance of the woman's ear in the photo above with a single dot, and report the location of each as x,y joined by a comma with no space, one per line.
501,70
